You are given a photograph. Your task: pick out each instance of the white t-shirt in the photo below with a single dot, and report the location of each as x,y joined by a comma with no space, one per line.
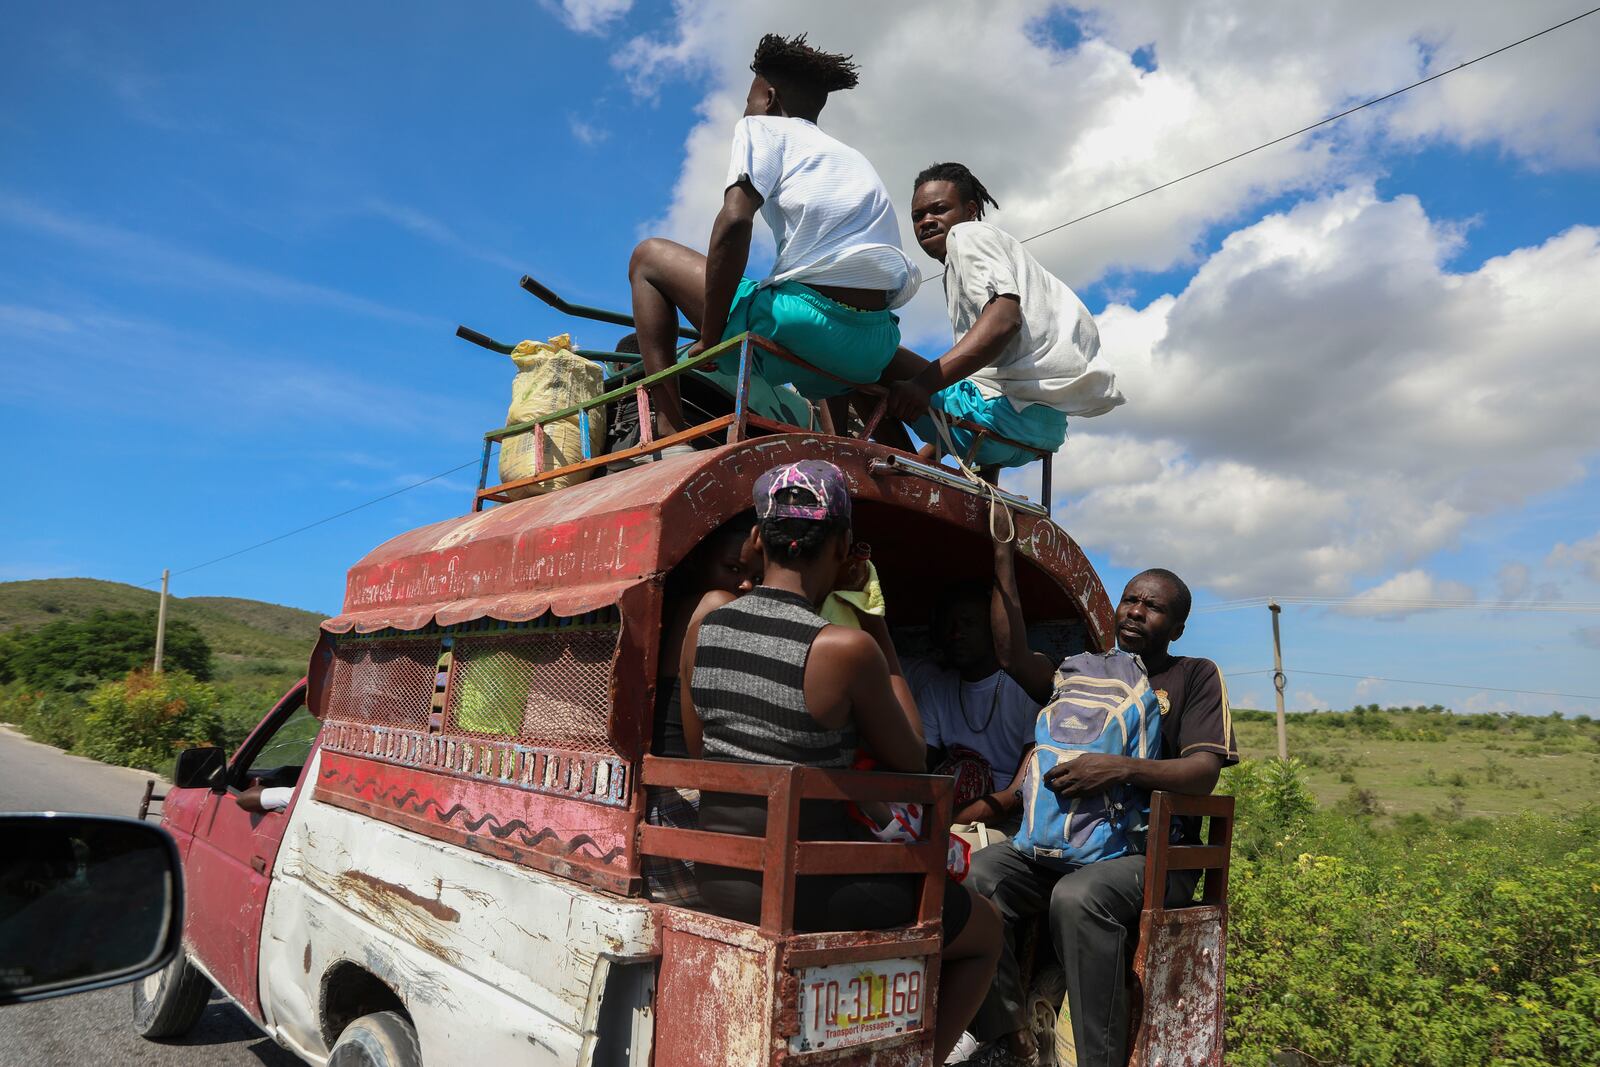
955,712
827,207
1048,362
277,797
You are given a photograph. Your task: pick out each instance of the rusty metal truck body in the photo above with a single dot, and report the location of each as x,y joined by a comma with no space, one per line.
463,844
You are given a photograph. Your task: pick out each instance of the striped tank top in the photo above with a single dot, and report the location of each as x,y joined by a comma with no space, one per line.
749,684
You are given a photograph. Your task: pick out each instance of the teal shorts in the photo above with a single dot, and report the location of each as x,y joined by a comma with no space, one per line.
855,345
1037,425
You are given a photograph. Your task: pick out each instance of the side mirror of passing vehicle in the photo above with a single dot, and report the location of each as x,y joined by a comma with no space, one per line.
199,767
85,901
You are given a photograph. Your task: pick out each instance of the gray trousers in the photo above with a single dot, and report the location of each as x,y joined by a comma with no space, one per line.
1094,913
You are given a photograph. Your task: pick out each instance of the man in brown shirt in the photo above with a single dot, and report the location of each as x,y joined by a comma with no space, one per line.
1093,909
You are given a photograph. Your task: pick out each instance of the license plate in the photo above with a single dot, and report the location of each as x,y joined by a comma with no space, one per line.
851,1003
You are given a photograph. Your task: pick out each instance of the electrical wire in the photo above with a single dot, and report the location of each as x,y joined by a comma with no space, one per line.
1307,129
1416,681
1547,607
319,522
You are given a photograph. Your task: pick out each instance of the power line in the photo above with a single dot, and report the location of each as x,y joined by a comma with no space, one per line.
1415,681
1549,607
1454,685
321,521
1307,129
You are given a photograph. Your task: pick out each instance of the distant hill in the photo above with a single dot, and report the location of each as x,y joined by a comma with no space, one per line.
249,636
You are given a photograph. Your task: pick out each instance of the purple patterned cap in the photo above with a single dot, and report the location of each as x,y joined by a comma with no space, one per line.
820,479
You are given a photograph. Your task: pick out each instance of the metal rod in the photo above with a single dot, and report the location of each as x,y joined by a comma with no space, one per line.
583,311
647,421
600,355
897,464
482,340
1279,681
1044,486
741,395
876,417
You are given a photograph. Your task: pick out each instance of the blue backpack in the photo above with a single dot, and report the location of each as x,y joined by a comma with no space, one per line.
1102,703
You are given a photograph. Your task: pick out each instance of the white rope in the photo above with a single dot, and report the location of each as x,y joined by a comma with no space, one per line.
996,506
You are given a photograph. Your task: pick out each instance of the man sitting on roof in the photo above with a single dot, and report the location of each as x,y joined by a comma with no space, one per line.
839,266
1025,346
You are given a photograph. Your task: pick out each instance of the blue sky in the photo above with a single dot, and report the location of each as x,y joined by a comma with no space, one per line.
234,246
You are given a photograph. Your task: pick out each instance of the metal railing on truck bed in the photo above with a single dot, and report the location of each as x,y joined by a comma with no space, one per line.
778,997
736,425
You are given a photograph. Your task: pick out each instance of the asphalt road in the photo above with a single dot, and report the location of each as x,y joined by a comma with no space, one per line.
96,1028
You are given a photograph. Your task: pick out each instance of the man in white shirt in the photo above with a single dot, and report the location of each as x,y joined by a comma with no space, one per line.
839,267
1025,352
968,701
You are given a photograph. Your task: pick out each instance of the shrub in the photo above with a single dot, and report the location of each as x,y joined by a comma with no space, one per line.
146,719
52,718
1272,803
74,654
1470,947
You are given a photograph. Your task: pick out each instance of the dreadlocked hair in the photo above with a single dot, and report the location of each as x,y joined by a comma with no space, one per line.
968,187
788,62
795,540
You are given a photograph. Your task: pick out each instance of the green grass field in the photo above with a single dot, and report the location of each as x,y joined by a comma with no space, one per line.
1421,761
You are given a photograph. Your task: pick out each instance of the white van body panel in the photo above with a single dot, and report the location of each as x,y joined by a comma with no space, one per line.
491,959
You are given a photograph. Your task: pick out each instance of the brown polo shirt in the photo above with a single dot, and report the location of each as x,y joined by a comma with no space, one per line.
1194,716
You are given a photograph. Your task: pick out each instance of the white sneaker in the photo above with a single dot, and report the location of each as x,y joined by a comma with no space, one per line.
967,1047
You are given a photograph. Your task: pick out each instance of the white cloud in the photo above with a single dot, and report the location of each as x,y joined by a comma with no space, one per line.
1325,401
1582,556
586,133
153,259
1515,580
590,16
431,229
17,318
1056,131
1407,593
1298,699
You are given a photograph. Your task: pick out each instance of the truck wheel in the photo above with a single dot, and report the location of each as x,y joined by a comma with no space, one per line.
382,1039
169,1002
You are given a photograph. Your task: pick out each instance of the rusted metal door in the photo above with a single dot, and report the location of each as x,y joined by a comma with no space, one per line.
229,868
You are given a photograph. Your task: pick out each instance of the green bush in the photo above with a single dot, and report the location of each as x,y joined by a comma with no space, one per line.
1474,942
73,654
146,719
53,718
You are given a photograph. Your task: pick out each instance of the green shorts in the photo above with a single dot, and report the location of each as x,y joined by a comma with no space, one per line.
1037,425
855,345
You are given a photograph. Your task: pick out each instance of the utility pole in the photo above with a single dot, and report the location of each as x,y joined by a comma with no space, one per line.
1278,679
161,627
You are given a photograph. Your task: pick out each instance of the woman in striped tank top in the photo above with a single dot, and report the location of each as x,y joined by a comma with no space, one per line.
767,680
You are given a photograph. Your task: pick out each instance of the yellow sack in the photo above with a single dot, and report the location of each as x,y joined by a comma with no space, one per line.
550,377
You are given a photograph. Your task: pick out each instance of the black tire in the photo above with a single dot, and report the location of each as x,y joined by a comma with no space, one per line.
382,1039
171,1001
